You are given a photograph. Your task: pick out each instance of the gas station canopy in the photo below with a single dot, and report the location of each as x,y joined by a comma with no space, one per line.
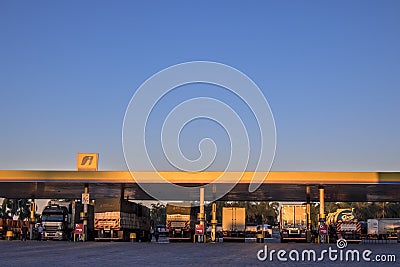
277,186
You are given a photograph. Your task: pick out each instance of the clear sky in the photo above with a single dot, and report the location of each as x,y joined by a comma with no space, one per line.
330,71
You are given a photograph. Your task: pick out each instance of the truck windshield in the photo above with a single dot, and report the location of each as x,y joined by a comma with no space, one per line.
52,218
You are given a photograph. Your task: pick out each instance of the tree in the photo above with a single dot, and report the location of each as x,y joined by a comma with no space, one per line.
257,212
393,210
15,207
157,213
4,214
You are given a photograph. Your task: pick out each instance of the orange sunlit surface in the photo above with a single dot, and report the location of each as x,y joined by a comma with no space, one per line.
200,177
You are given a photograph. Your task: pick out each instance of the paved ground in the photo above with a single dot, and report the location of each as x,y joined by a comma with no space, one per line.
52,253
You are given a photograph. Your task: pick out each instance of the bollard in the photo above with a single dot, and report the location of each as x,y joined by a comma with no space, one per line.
132,237
260,238
9,235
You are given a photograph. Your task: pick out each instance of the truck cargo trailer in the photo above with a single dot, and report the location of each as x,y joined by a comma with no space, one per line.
383,228
343,223
121,220
293,223
180,221
234,224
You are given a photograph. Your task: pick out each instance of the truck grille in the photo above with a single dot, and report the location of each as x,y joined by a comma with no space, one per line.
51,229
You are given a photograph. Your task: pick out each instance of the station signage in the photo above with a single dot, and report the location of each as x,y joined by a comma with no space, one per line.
78,228
199,229
323,229
85,198
87,161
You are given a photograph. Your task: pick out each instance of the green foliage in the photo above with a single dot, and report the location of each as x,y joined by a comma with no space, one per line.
376,209
256,212
157,213
18,207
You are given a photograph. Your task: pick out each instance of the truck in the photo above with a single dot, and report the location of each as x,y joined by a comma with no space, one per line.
344,224
293,223
180,221
117,219
383,228
59,220
234,224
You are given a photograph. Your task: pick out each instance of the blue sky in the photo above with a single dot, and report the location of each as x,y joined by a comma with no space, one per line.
330,71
